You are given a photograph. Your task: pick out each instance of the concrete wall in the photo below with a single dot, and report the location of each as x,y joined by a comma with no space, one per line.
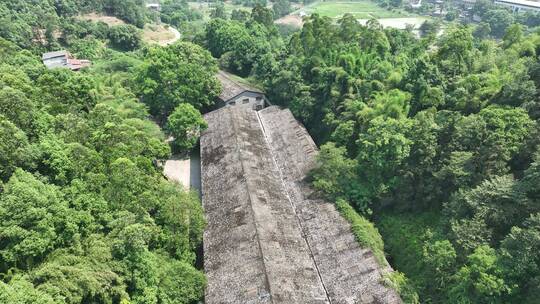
55,61
249,100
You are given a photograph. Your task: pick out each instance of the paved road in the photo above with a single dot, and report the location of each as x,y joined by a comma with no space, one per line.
178,170
184,170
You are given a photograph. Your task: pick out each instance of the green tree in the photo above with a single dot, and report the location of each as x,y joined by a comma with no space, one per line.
240,15
508,128
126,184
482,30
17,107
133,11
494,205
281,8
181,73
241,47
440,259
455,50
20,290
417,185
185,124
181,216
499,20
15,150
140,265
430,28
335,175
62,90
382,149
396,3
513,35
85,276
180,283
125,37
36,220
480,280
218,11
520,260
262,15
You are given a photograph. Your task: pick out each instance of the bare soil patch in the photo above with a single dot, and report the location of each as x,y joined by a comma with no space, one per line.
94,17
294,20
160,34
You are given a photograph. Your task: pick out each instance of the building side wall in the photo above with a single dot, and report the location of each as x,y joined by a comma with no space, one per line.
248,99
516,7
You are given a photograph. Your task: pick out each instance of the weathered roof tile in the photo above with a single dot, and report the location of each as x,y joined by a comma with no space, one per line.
266,240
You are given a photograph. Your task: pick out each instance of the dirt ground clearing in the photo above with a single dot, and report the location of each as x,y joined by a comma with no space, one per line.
160,34
109,20
290,20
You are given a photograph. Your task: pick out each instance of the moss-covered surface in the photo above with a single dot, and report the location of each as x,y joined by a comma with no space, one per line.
365,232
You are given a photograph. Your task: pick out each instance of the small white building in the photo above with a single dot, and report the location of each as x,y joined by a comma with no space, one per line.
153,6
236,93
520,5
63,59
415,3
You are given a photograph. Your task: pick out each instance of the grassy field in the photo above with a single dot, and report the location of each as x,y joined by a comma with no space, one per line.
157,34
361,9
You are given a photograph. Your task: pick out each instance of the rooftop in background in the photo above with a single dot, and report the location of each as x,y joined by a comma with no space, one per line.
153,6
232,88
524,4
54,54
63,59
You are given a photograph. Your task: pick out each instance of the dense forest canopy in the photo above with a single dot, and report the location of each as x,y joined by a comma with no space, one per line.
87,217
433,138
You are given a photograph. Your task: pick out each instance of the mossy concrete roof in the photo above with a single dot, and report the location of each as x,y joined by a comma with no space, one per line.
267,240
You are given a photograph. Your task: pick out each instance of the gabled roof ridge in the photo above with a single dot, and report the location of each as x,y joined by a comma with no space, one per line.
232,88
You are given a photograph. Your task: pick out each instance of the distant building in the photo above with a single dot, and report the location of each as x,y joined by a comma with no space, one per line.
153,6
235,93
467,4
63,59
415,3
520,5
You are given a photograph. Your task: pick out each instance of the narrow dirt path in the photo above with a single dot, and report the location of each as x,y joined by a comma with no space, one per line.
177,36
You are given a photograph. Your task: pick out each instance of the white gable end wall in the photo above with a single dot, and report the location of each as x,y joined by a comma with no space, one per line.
253,100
